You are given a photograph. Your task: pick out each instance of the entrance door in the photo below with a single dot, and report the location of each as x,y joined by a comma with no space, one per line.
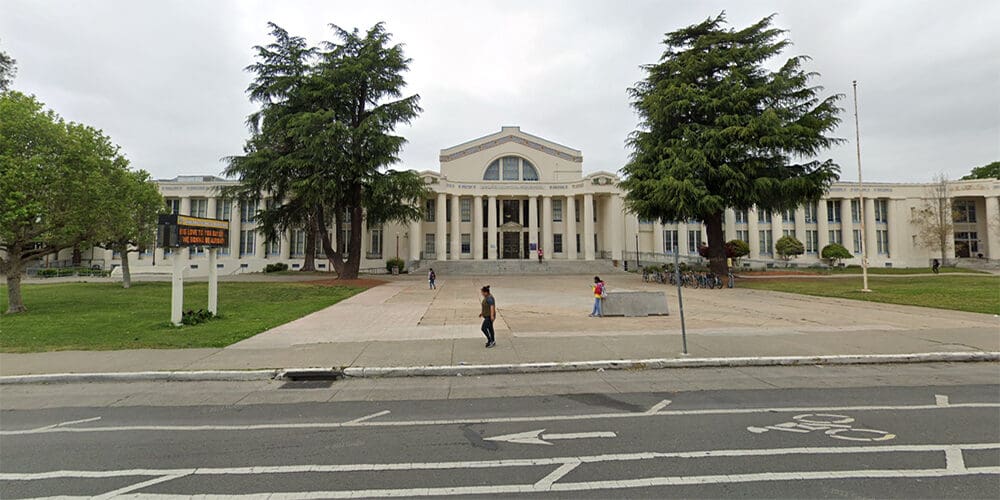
511,245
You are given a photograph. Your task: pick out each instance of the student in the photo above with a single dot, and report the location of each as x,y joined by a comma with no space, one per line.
539,255
431,278
599,290
489,315
935,266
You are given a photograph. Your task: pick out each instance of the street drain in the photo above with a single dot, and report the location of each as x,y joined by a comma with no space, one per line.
307,384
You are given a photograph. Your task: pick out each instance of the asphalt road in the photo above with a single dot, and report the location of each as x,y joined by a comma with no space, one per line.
912,441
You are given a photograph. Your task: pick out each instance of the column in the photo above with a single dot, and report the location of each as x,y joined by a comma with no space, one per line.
588,226
441,233
491,227
846,225
777,229
822,225
456,228
477,228
416,239
682,238
753,233
532,223
894,228
800,224
212,204
185,205
235,226
286,245
547,226
992,217
569,235
658,237
730,225
871,243
614,224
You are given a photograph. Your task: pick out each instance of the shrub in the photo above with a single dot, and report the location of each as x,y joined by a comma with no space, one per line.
395,262
736,249
834,252
788,247
194,317
47,273
276,267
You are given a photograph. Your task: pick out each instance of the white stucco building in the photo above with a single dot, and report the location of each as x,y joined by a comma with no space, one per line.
504,195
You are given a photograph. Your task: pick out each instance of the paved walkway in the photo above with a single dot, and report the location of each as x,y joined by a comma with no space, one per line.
545,318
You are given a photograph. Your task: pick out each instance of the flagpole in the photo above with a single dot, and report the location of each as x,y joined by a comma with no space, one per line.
861,195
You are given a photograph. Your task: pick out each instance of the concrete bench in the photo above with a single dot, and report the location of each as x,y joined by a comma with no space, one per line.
633,304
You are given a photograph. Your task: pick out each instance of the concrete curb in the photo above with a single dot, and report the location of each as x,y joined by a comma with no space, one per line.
498,369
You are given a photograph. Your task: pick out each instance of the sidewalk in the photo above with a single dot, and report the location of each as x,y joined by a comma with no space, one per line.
543,319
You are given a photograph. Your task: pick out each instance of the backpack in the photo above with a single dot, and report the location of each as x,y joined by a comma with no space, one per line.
433,276
604,290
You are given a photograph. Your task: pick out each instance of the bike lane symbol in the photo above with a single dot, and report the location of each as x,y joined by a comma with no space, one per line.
835,426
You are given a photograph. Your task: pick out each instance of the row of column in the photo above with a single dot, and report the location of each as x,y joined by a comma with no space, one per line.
540,236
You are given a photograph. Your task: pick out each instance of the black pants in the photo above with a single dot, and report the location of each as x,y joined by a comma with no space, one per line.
488,329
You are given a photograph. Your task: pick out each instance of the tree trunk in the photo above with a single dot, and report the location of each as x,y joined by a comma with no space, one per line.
15,303
310,257
77,257
353,264
716,244
126,274
332,254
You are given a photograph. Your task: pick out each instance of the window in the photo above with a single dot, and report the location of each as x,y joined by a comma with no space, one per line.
764,216
530,173
645,221
882,235
835,236
557,213
789,215
882,211
429,210
833,212
447,212
577,242
766,242
173,205
248,210
428,245
557,244
298,243
510,168
788,232
595,243
965,211
492,172
741,216
344,240
465,205
694,239
594,209
199,207
669,241
857,241
375,243
812,241
810,210
247,243
856,211
576,207
447,244
743,235
223,250
466,243
224,209
273,248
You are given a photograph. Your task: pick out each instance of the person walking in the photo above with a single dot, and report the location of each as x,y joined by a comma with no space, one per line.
489,315
599,292
431,279
539,255
935,266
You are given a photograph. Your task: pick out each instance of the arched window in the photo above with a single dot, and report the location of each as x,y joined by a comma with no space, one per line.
492,172
510,168
528,171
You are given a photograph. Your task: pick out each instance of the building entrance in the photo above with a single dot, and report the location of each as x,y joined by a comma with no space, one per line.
511,245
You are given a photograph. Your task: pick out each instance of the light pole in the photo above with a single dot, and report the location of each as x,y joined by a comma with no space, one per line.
861,195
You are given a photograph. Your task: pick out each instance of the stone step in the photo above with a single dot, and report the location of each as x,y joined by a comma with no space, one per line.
498,267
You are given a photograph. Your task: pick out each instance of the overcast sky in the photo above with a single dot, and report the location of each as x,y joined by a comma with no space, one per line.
165,79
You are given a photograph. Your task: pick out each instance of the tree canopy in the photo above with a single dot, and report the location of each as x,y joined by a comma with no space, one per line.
8,70
718,129
324,138
835,252
788,246
988,171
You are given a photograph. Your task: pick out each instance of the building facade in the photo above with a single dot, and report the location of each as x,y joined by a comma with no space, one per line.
508,194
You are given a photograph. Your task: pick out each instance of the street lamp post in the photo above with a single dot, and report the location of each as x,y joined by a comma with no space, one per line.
861,195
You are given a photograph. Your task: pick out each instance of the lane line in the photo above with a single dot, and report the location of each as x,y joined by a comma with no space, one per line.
546,482
485,464
137,486
367,417
941,400
71,422
580,435
658,406
492,420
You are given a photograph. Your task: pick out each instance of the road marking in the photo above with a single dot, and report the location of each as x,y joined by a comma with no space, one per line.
658,406
367,417
493,420
138,486
536,437
954,461
71,422
546,482
941,400
489,464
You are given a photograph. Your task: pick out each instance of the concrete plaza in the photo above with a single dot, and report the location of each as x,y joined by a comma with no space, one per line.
544,318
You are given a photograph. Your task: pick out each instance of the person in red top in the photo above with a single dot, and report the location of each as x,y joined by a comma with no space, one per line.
539,254
598,297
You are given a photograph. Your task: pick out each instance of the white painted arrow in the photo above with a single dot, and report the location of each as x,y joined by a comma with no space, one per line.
536,437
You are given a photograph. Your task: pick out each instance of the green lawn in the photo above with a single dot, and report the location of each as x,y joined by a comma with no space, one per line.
103,316
872,270
962,293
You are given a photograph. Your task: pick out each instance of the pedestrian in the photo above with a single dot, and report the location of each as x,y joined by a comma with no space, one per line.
432,279
539,255
935,266
489,315
600,291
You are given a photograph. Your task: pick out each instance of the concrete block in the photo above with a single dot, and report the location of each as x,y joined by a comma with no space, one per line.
633,304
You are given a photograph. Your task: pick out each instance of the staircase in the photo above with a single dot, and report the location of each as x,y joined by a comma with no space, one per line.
978,264
498,267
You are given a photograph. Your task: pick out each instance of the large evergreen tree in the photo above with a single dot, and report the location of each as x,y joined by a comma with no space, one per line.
719,130
324,138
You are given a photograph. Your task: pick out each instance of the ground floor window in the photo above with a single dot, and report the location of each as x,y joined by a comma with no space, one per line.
274,248
447,245
669,241
882,235
428,244
857,241
766,242
196,252
788,232
466,243
344,241
247,240
812,241
743,235
835,237
694,239
298,243
578,242
375,243
557,243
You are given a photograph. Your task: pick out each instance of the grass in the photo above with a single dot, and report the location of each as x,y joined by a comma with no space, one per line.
871,270
103,316
979,294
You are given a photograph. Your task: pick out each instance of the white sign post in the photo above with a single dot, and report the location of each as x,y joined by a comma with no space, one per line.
213,282
177,287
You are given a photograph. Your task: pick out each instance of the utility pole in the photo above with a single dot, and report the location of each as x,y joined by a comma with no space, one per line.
861,195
